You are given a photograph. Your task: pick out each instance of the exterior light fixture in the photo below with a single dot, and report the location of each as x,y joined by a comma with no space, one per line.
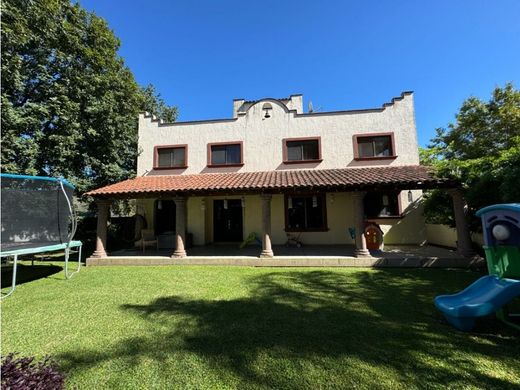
159,204
331,198
243,202
203,204
289,202
314,201
410,196
385,200
225,204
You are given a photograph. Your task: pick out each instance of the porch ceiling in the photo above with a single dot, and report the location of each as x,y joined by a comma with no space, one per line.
346,179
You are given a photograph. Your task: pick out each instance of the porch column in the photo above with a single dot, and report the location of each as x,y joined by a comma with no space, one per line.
103,207
267,250
180,227
464,244
359,224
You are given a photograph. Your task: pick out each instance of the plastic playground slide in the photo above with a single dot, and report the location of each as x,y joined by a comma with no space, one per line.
484,297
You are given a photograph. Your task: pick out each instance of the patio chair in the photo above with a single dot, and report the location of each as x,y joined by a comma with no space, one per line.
148,238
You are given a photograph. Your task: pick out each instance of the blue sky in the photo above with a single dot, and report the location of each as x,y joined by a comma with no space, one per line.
201,55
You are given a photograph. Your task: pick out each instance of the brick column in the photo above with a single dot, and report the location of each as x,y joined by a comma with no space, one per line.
464,244
180,227
267,250
103,207
359,224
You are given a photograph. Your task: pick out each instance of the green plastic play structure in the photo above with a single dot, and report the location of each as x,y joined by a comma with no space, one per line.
496,292
502,248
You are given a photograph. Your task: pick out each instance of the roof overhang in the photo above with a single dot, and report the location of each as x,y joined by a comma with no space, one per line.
280,181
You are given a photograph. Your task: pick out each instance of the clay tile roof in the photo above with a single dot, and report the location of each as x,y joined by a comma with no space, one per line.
346,179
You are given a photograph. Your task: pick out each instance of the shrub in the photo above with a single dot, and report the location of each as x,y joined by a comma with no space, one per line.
25,373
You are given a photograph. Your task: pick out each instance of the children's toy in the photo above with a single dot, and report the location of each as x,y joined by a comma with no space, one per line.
374,237
491,294
251,239
37,217
293,240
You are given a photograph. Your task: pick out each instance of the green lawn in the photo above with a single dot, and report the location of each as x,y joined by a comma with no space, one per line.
239,328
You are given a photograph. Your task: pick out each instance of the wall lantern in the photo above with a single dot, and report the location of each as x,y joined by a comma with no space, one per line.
314,201
267,107
203,204
159,204
243,202
410,196
225,204
289,202
385,200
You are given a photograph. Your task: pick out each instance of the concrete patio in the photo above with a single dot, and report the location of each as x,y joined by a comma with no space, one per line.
306,256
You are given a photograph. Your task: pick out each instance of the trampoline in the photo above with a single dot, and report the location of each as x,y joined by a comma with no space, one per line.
37,217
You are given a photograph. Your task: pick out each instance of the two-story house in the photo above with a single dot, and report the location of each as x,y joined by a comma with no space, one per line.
275,170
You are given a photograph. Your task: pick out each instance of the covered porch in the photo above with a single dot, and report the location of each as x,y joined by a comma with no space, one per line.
349,183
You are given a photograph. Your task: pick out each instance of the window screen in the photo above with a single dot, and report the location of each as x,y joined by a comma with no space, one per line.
171,157
303,150
226,154
379,146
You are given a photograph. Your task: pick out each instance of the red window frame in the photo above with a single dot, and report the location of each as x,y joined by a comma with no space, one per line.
241,163
178,146
285,151
355,140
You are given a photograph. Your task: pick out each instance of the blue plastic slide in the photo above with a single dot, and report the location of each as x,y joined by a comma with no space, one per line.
484,297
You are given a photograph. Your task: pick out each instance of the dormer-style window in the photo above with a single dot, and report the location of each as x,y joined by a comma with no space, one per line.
225,154
171,157
374,146
301,150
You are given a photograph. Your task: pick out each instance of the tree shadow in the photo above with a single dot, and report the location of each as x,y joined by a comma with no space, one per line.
352,328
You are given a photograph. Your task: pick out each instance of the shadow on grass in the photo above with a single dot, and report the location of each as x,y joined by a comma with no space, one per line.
28,273
321,329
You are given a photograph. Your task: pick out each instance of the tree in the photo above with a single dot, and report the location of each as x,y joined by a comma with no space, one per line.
154,103
69,103
481,150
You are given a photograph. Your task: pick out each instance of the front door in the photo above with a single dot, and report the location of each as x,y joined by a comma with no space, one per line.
227,220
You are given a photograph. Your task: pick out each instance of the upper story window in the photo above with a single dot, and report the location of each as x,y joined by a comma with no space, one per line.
374,146
305,213
171,156
297,150
222,154
381,204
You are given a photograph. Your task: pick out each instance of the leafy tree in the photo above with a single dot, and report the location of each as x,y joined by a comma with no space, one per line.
481,150
154,103
69,103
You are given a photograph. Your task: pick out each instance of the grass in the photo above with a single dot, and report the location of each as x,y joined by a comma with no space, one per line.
230,327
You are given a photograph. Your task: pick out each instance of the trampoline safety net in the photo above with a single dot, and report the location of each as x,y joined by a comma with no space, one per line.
35,212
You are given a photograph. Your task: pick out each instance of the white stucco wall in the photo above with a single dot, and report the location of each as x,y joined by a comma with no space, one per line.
263,151
444,235
262,137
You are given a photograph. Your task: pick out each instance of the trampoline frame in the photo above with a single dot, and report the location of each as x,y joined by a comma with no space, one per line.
48,248
42,249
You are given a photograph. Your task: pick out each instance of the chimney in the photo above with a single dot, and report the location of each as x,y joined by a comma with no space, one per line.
296,103
237,103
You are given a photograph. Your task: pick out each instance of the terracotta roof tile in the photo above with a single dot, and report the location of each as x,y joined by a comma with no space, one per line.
412,176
